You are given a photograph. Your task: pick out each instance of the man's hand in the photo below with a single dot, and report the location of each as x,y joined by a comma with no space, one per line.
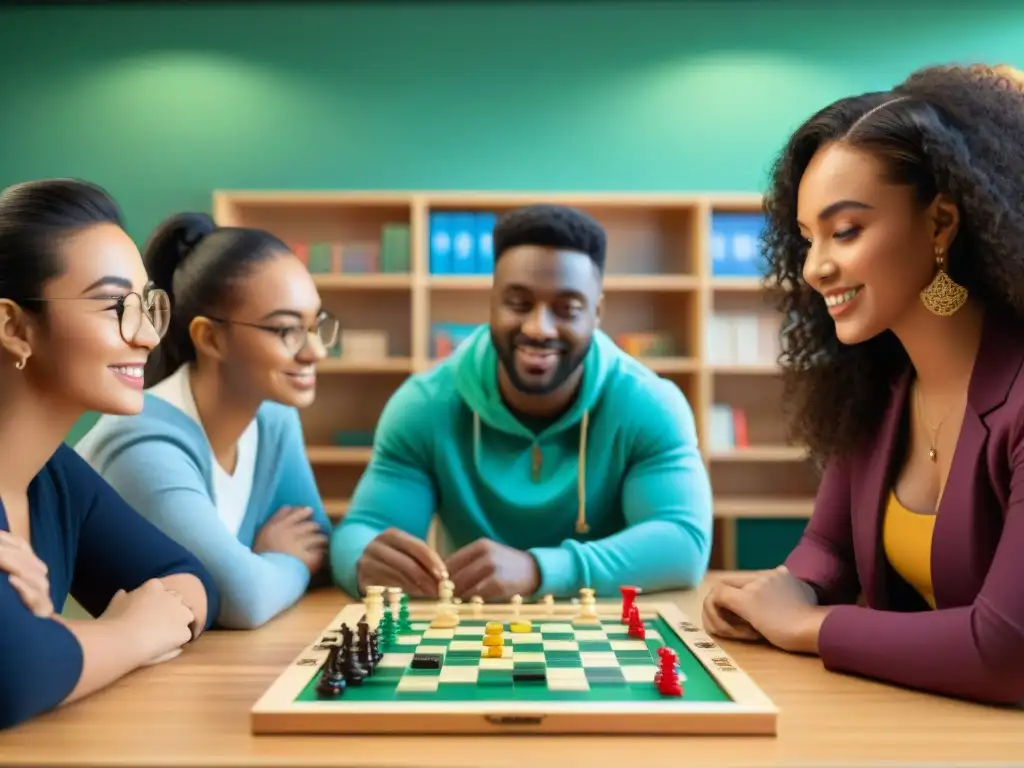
493,571
396,559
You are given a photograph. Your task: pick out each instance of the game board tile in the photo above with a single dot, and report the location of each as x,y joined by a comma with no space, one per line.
628,645
591,635
640,674
429,648
438,634
604,674
559,637
496,663
419,626
417,684
423,671
553,628
524,638
653,634
536,658
635,661
395,660
473,623
459,674
462,661
461,631
560,645
566,674
593,646
599,660
529,647
616,629
408,639
464,645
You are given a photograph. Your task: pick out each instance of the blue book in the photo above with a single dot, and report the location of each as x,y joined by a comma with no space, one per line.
440,244
485,243
463,228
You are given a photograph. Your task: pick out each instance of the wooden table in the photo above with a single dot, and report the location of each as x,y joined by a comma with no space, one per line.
194,711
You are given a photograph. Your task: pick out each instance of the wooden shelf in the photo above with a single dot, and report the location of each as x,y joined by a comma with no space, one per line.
658,279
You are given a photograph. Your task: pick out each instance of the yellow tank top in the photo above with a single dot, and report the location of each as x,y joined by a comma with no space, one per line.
907,539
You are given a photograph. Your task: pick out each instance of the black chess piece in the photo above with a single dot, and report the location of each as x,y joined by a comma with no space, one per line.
353,670
375,652
365,652
332,681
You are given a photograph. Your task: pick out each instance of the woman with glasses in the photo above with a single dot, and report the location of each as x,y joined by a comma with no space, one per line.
78,320
217,458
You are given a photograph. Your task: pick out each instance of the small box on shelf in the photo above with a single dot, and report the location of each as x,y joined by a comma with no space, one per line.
363,345
390,254
461,242
446,337
743,338
647,344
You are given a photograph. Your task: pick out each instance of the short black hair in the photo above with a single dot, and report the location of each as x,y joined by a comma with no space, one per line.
553,226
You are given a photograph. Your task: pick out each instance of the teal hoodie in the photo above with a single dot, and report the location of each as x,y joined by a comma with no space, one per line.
614,492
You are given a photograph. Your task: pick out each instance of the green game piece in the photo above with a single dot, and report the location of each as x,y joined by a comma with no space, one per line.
404,625
386,628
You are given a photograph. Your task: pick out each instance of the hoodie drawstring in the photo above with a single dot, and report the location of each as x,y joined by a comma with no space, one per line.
581,485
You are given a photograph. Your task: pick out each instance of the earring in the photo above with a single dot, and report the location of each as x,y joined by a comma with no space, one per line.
20,365
943,296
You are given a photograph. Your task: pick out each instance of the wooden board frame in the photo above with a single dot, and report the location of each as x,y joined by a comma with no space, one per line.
750,712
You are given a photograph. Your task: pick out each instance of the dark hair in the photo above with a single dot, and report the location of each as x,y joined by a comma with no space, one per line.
554,226
198,264
951,130
35,217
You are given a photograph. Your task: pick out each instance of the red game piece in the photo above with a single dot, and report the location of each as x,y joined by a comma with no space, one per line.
667,676
628,600
636,624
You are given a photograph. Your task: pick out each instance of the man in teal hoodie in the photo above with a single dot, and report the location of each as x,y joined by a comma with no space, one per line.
553,460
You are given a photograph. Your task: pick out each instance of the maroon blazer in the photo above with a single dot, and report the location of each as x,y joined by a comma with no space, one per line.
972,645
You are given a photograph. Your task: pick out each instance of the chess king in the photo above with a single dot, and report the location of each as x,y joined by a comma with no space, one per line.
553,459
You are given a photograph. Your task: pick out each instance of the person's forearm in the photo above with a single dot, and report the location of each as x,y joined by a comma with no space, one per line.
108,652
193,594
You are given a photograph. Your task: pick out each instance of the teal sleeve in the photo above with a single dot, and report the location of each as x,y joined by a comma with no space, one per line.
667,505
164,485
397,490
296,486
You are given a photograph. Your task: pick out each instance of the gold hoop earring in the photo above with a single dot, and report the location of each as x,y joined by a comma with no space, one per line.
943,296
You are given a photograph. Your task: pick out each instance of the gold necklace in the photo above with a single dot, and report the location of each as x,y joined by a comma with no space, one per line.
933,454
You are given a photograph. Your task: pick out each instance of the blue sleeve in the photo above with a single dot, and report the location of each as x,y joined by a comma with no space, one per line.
119,549
166,486
296,486
40,660
397,489
667,505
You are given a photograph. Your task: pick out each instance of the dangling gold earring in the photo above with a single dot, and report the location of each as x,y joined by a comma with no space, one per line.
943,296
20,365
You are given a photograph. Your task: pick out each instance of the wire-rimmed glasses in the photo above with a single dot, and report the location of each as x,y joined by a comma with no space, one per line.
294,336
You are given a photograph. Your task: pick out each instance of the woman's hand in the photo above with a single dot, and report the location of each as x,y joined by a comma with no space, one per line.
27,574
719,620
155,617
779,607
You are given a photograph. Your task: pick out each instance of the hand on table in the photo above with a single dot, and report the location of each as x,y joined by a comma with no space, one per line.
293,531
27,574
396,559
493,571
155,617
774,604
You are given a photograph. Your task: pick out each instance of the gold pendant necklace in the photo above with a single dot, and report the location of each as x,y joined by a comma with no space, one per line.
933,453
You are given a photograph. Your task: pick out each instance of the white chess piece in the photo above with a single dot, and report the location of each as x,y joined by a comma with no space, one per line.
548,601
588,608
373,604
447,615
478,604
517,602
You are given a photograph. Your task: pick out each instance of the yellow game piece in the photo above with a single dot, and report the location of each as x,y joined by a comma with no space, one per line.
520,626
494,640
493,652
494,628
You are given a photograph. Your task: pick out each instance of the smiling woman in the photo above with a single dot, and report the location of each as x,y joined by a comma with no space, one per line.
78,320
217,458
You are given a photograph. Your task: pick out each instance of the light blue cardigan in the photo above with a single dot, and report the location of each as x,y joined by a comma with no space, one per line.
160,462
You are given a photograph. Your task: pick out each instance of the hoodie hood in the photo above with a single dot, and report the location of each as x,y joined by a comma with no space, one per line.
475,368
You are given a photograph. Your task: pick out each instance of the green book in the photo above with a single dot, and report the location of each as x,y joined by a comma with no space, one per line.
321,258
394,248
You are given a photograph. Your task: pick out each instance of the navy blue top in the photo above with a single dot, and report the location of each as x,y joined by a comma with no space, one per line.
93,544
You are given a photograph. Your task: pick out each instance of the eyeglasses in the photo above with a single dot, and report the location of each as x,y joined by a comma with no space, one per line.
154,305
295,337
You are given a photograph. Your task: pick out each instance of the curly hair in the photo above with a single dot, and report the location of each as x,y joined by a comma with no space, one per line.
956,130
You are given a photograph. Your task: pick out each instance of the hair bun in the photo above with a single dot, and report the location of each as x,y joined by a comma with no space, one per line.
171,243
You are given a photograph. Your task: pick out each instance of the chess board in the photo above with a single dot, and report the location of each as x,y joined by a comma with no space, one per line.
593,679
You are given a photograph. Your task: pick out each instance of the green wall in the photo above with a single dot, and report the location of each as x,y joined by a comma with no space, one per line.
162,104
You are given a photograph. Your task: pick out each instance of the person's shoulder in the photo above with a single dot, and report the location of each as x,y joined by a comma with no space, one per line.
634,388
160,425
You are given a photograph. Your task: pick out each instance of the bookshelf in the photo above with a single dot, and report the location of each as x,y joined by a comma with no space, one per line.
672,300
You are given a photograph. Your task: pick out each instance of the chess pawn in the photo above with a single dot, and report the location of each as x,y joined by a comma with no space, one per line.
587,615
548,601
478,604
447,615
517,603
